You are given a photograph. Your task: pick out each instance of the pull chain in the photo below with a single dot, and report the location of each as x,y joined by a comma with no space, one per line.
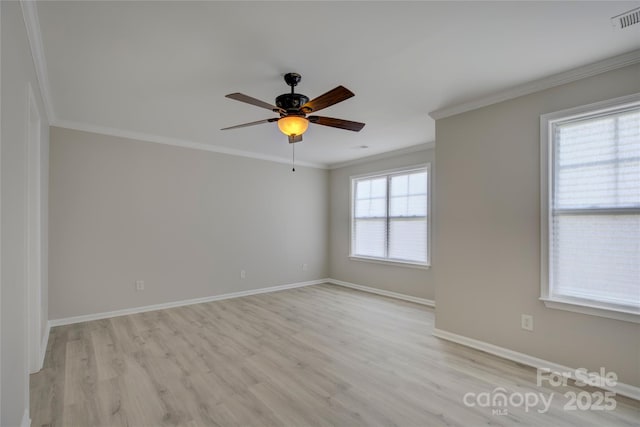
293,159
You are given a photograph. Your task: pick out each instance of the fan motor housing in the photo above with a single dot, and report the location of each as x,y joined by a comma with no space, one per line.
291,101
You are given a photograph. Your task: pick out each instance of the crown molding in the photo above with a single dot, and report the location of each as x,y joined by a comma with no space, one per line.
385,155
548,82
32,24
145,137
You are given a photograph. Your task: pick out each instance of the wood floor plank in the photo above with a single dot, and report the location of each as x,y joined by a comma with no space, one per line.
315,356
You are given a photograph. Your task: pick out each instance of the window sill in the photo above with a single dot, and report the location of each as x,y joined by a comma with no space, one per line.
592,308
389,262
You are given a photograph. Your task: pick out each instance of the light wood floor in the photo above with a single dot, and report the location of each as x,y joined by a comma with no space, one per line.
315,356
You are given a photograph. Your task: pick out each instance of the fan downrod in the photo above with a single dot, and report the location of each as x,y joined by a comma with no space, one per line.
291,102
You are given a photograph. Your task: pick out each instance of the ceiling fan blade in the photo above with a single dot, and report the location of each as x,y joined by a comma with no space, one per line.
253,101
244,125
336,123
295,138
334,96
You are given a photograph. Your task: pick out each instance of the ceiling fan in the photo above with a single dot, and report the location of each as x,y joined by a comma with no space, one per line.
294,107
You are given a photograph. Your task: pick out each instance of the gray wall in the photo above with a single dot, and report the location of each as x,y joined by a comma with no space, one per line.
184,221
487,243
17,72
405,280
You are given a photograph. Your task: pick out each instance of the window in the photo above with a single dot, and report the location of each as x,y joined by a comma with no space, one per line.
389,216
591,209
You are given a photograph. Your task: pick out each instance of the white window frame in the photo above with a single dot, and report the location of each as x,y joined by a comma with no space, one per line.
386,173
577,305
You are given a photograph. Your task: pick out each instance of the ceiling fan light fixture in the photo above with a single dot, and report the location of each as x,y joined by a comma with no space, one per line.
293,125
294,107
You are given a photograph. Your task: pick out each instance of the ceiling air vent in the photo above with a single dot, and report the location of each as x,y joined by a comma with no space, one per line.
626,19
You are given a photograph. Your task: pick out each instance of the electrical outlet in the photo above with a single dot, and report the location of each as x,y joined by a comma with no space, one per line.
139,285
526,322
305,267
243,274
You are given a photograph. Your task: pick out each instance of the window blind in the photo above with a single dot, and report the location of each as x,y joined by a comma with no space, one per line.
390,217
595,208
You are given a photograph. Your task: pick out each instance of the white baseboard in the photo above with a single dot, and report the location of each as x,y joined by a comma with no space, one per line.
423,301
43,345
26,421
134,310
525,359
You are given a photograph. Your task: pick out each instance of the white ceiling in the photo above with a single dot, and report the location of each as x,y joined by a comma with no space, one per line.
163,68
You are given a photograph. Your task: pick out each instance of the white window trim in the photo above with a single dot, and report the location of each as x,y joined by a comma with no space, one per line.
577,305
375,260
392,262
